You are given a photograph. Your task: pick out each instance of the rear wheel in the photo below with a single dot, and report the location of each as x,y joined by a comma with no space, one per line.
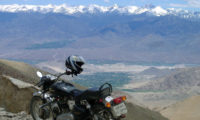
102,113
37,112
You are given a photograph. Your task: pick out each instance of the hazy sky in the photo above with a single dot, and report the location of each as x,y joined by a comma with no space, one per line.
186,4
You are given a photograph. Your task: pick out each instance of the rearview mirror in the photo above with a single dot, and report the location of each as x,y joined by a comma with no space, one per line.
39,74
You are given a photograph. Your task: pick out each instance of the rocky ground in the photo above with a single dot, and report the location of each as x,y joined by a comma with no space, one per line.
14,116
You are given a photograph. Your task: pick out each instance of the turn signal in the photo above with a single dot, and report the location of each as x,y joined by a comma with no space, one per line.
108,105
123,98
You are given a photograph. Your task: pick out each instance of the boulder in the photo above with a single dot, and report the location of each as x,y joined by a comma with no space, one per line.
15,95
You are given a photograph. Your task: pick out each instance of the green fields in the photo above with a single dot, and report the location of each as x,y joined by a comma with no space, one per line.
97,79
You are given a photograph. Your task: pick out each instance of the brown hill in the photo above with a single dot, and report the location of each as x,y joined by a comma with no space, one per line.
184,110
22,71
19,70
182,78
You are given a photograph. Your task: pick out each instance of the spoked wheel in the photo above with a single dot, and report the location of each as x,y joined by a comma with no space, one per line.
39,113
102,114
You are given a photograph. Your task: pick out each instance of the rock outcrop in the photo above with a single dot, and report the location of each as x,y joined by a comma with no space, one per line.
15,95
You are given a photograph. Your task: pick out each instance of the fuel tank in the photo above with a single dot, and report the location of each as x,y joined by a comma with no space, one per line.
62,87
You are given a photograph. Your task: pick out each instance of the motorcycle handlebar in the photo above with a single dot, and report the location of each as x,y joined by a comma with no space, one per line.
65,73
40,83
57,77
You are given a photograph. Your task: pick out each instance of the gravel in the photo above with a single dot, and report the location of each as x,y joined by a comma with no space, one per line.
4,115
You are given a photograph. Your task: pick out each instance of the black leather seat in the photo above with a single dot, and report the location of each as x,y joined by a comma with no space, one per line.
77,92
89,94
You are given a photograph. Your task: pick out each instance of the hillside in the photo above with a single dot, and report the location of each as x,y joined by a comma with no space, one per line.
18,70
186,78
135,112
165,90
185,110
102,36
178,85
22,71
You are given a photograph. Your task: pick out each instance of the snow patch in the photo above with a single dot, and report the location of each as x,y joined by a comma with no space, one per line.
94,9
158,11
66,9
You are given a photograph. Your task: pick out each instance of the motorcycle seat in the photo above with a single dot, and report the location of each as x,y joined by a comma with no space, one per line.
91,93
77,92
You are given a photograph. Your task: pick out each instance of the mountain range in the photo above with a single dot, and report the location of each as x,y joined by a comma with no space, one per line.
93,9
149,34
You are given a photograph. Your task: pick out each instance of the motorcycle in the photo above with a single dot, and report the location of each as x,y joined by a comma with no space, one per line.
60,100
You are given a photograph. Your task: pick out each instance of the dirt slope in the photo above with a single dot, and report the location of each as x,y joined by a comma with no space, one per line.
18,70
22,71
136,112
185,110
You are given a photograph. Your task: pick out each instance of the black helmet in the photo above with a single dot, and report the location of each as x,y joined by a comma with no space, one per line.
74,63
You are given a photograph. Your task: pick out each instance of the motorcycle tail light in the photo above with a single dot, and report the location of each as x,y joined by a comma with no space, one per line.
117,100
123,98
108,105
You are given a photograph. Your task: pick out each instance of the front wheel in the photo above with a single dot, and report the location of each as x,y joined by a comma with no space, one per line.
37,112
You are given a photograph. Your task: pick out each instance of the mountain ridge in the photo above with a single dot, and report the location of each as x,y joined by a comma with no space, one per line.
37,36
101,36
93,8
183,78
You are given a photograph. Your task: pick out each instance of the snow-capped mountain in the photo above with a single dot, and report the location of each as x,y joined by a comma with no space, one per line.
71,10
131,33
